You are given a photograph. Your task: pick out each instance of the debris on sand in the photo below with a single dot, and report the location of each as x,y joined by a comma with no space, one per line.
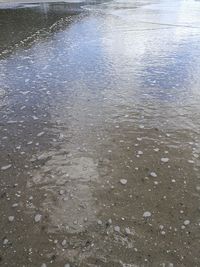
61,192
147,214
153,174
40,134
186,222
164,160
6,167
38,218
123,181
11,218
117,229
64,242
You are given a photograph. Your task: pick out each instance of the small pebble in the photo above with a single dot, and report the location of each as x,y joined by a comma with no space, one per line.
164,160
15,205
62,192
186,222
4,168
147,214
5,241
99,222
128,231
110,221
38,217
198,187
123,181
40,134
64,242
11,218
153,174
117,229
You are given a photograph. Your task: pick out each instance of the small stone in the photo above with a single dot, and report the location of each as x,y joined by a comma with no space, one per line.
153,174
165,160
128,231
99,222
15,205
140,152
67,265
40,134
11,218
43,265
61,192
198,187
147,214
38,217
5,241
4,168
123,181
64,242
110,221
186,222
117,229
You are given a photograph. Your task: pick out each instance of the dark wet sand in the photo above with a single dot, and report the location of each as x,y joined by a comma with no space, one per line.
99,127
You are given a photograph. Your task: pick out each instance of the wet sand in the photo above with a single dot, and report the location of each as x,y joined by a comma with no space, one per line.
99,158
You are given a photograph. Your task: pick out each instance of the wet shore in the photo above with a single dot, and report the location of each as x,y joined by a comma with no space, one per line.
99,134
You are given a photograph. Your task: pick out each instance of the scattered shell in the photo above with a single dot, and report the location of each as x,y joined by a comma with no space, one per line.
40,134
198,187
5,241
4,168
99,222
11,218
117,229
61,192
123,181
15,205
164,160
153,174
38,217
128,231
110,221
186,222
147,214
64,242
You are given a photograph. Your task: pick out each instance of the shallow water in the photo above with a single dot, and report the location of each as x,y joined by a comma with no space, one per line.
90,95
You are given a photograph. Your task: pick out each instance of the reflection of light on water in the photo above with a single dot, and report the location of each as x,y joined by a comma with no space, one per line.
152,52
